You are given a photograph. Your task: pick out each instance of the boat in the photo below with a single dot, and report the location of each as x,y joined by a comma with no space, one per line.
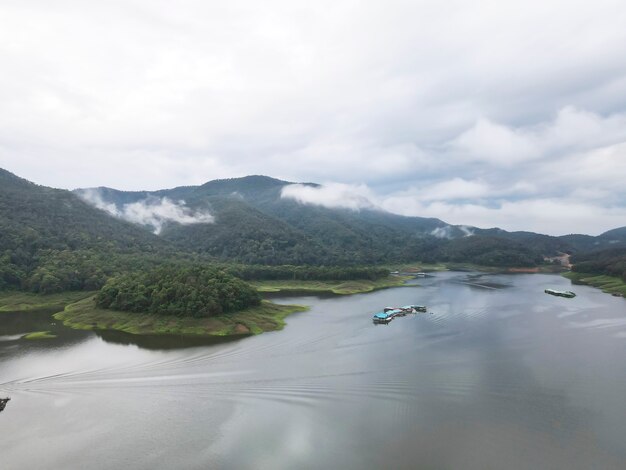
382,317
387,315
560,293
3,403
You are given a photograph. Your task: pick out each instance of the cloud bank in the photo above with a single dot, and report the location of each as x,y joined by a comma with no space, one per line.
331,195
447,108
152,211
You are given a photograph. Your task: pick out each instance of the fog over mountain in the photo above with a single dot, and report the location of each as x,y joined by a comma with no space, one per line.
508,114
151,211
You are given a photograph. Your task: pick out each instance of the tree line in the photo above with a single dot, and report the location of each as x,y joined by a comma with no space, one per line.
611,262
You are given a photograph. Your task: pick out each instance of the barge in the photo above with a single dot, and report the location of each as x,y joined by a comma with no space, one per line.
560,293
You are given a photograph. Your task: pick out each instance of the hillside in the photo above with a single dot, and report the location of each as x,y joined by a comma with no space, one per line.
253,223
52,240
45,232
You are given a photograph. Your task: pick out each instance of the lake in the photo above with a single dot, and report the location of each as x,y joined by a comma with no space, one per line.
499,375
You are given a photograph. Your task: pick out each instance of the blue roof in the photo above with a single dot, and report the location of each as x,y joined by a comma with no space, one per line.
381,315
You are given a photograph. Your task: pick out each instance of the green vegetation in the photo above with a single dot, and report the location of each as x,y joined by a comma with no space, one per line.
611,262
39,335
416,267
335,287
489,251
17,301
267,316
608,284
306,273
198,291
54,243
605,269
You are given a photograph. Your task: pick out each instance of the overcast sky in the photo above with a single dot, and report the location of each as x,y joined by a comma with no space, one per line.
487,113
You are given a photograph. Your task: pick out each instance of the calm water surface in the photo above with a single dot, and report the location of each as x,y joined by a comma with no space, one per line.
500,375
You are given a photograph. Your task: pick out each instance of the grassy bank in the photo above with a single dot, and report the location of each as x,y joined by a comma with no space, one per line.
608,284
335,287
416,267
85,315
15,301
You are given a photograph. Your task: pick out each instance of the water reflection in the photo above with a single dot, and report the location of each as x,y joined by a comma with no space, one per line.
158,342
499,376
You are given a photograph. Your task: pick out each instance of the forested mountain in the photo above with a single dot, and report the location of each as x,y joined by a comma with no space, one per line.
254,224
50,239
53,240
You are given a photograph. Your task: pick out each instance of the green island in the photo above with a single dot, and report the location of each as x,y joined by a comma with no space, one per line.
267,316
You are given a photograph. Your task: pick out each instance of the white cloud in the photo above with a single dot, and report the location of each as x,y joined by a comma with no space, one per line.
456,188
152,211
331,195
571,130
549,216
442,232
489,102
495,143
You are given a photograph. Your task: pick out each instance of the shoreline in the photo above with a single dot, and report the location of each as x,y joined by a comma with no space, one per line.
77,310
84,315
340,287
608,284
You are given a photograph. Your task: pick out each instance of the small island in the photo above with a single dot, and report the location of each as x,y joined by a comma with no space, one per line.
191,300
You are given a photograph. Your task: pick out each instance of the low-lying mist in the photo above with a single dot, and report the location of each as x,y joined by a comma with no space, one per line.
151,211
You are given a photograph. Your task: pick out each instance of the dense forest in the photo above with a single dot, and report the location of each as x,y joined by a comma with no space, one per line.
489,251
305,273
611,262
198,291
50,240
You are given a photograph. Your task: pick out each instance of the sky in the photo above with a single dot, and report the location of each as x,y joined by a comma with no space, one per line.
507,114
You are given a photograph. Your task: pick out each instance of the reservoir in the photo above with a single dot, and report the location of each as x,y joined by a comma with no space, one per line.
497,375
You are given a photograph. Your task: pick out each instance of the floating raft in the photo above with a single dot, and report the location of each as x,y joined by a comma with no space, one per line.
389,313
560,293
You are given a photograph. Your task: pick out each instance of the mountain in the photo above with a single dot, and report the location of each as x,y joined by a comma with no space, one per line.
44,229
254,223
52,239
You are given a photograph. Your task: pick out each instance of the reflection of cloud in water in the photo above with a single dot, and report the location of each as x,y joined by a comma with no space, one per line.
491,379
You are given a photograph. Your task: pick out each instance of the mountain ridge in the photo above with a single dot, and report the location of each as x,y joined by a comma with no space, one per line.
362,235
242,220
